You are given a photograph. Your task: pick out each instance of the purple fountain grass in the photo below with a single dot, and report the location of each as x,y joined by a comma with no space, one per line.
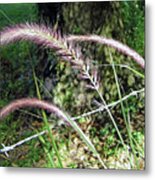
44,36
63,46
32,102
109,42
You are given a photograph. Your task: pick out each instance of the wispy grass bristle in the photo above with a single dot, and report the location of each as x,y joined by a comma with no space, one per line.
31,102
109,42
43,36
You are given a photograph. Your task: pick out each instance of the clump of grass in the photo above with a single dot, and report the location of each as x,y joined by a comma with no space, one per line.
64,48
28,102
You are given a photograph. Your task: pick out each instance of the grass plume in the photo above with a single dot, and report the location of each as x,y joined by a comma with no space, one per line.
112,43
46,37
31,102
41,35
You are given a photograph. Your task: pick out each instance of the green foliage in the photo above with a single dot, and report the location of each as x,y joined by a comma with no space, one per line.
19,53
123,21
133,20
109,147
17,13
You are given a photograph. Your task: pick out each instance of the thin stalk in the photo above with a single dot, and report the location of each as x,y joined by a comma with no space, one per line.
124,66
124,49
100,109
138,147
89,113
47,125
47,152
43,86
107,109
77,129
86,140
127,122
75,126
134,71
6,16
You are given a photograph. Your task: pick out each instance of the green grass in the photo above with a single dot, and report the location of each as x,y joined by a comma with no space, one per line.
18,53
88,139
60,165
125,117
17,13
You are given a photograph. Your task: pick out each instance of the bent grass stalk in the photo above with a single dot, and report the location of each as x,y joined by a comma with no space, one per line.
137,73
48,126
100,109
134,93
50,157
127,123
109,42
31,102
106,107
45,37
